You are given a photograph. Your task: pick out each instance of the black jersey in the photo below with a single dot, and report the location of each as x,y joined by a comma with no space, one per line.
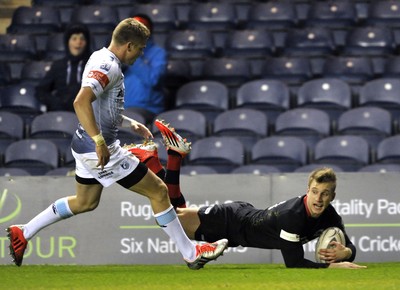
285,226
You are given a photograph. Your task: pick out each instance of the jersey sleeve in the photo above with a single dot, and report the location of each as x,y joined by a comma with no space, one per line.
291,247
98,74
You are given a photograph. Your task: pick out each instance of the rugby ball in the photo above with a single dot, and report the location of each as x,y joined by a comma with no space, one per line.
329,235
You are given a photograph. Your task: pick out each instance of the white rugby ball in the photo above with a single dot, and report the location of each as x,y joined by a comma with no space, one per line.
329,235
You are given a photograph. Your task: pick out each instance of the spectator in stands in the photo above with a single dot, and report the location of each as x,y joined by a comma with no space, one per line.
62,82
143,80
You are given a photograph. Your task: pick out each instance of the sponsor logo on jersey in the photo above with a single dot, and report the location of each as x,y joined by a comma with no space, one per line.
100,77
105,174
124,165
105,66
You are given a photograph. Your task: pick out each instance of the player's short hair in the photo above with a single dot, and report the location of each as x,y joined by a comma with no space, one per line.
322,175
130,30
146,20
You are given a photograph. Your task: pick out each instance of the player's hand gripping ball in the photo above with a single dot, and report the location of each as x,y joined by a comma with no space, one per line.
329,235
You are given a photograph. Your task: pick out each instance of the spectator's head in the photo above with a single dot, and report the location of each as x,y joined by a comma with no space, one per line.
77,41
145,20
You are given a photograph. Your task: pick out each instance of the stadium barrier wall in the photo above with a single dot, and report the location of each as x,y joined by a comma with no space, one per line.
122,229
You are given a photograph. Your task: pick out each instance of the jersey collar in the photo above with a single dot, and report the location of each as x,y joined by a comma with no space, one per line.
306,206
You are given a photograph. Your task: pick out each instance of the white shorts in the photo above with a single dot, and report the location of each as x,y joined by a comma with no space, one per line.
121,164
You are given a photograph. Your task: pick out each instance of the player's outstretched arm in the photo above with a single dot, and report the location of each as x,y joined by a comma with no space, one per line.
346,265
137,127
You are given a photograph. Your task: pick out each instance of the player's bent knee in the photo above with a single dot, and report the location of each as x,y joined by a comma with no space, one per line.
160,193
85,206
151,186
91,206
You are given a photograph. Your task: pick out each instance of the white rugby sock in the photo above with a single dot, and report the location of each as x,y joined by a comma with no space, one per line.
170,223
57,211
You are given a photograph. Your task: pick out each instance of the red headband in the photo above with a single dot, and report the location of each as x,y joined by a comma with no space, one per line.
142,20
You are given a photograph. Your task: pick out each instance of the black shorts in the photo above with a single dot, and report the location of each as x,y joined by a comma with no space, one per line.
223,221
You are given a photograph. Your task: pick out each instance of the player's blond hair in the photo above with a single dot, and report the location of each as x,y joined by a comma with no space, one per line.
130,30
322,175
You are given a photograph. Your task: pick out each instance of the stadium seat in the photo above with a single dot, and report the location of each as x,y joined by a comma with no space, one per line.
34,71
17,47
212,16
12,128
391,67
332,95
68,159
35,20
351,69
269,96
197,169
369,41
251,44
246,125
13,172
348,152
381,92
57,126
100,40
312,166
273,15
381,168
98,18
388,150
118,3
20,99
309,124
5,74
221,153
291,70
230,71
136,115
55,47
372,123
35,156
309,41
208,97
163,16
142,114
61,171
178,73
41,41
190,124
256,169
283,152
57,4
336,14
178,2
190,44
384,13
15,50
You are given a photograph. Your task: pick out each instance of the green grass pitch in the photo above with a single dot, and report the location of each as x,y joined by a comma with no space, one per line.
220,276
